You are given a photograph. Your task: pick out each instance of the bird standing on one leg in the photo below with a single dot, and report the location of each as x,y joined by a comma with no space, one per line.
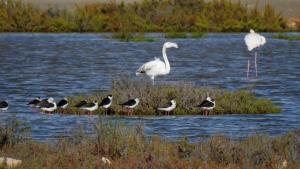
254,40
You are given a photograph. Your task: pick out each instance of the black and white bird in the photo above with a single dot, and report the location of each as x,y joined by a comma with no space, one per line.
48,105
63,103
130,105
106,103
207,105
34,102
3,105
169,107
81,103
44,101
90,107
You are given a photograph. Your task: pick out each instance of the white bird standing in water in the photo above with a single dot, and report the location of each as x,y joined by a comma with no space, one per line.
254,40
157,67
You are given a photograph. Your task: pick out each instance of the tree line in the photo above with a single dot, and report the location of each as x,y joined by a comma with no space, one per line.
144,16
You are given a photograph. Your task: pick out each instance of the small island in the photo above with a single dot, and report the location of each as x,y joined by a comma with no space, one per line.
186,95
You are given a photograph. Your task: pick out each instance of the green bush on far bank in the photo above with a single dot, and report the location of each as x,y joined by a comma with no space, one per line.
141,16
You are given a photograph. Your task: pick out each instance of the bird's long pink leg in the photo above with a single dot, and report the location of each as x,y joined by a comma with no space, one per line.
248,68
152,80
255,64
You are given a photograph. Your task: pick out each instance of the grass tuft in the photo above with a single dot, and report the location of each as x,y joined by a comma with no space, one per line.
12,132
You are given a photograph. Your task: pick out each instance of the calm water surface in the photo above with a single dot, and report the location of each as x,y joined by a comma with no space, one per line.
61,65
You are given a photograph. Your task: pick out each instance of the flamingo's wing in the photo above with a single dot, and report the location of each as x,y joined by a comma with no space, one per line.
254,40
262,40
154,65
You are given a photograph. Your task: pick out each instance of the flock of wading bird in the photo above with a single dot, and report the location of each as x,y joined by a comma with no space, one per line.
152,69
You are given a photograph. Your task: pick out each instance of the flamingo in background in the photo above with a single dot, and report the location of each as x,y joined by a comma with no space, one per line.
157,67
254,40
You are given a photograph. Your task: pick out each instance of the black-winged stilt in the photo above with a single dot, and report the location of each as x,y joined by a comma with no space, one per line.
3,105
106,103
171,105
207,105
130,105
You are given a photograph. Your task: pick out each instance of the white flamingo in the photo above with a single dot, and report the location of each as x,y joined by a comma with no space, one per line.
254,40
157,67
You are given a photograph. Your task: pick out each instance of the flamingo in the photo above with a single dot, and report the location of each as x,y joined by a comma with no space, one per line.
157,67
254,40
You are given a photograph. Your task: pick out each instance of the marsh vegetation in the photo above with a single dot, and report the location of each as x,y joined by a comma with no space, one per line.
186,95
129,148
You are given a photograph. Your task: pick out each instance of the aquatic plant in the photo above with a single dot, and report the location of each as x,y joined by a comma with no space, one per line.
127,147
176,35
134,37
287,37
186,95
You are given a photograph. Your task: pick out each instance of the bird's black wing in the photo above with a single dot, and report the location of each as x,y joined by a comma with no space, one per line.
46,104
169,104
3,104
206,103
89,105
43,102
105,101
34,102
81,103
62,103
129,103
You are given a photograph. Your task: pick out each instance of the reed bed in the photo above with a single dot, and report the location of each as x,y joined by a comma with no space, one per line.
128,148
186,95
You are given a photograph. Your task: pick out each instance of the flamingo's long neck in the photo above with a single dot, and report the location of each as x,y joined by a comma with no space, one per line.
167,64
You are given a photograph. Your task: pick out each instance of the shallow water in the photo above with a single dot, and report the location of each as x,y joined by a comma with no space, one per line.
61,65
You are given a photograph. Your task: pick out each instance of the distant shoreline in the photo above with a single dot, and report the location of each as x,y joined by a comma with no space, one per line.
144,16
